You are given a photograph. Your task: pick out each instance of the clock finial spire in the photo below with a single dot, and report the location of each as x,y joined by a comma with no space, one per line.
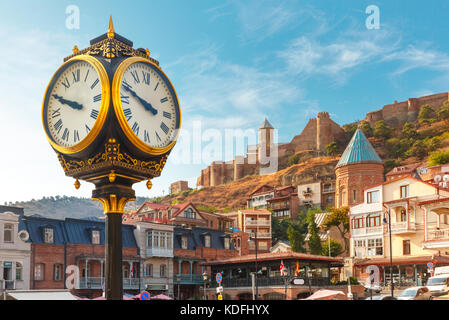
111,30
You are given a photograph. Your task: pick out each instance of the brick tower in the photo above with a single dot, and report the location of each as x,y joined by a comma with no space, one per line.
358,168
323,131
265,140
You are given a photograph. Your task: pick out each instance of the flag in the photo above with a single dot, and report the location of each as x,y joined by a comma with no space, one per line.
132,270
297,267
282,268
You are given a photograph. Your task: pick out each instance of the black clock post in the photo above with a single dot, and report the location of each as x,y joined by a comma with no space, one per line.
111,155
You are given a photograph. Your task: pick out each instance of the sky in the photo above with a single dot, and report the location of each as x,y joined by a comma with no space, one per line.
232,63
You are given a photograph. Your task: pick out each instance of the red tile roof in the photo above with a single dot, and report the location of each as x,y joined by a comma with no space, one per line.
403,260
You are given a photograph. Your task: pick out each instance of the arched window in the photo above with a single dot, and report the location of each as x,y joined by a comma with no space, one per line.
19,271
189,214
149,270
163,271
7,233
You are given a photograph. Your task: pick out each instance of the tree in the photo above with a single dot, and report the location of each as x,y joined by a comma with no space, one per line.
438,157
336,248
332,149
294,159
339,218
418,150
443,112
366,128
409,130
314,236
382,130
426,114
350,129
296,238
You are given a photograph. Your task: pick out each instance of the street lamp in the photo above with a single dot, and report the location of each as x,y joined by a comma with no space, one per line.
391,252
205,281
255,275
178,279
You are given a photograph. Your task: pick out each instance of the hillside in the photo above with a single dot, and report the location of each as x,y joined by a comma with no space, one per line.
233,195
67,207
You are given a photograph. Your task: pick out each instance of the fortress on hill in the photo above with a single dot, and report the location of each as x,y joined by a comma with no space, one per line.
318,133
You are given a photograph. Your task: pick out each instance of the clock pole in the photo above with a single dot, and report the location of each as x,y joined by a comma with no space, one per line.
109,156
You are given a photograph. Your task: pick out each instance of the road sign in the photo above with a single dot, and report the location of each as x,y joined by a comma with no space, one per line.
220,297
430,265
298,281
145,295
219,289
218,277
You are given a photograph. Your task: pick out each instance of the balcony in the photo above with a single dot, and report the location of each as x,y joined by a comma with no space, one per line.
264,281
188,279
437,239
367,231
96,283
328,190
307,192
159,252
258,223
260,235
403,227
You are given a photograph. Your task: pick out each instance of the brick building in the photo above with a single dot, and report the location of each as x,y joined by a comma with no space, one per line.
56,244
179,186
359,167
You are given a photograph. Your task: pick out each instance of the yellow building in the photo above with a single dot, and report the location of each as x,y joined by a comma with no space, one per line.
416,209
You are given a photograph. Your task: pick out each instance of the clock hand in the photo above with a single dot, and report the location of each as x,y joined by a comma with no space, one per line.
145,104
72,104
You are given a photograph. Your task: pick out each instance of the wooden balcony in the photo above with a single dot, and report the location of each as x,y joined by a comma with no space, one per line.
403,227
159,252
97,282
258,223
437,238
367,231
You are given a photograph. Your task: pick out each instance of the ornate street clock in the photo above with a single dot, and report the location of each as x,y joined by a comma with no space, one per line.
112,116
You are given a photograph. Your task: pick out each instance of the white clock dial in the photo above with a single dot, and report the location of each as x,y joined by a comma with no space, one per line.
74,101
149,105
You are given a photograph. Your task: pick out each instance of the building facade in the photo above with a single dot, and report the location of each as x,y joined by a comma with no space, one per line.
179,186
15,251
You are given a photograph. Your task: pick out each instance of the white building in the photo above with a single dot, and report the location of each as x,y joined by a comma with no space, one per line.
155,241
15,252
366,225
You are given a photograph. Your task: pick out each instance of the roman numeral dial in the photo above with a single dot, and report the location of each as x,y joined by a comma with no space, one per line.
73,102
146,105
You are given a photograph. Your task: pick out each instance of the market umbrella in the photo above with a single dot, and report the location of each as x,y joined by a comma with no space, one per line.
326,295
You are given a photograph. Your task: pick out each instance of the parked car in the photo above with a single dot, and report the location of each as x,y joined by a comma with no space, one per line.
415,293
382,298
438,285
375,287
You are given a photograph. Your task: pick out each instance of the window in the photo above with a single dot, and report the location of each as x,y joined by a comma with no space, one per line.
372,197
149,239
18,271
39,272
169,214
354,195
7,233
405,191
48,235
184,242
149,270
95,237
189,214
359,243
226,243
357,223
343,198
375,247
373,221
57,272
403,215
406,247
207,241
163,270
169,241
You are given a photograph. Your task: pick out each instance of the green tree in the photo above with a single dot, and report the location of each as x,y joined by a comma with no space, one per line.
296,238
332,149
426,114
339,218
336,248
418,150
294,159
350,129
382,130
443,112
438,157
366,128
433,143
409,130
314,236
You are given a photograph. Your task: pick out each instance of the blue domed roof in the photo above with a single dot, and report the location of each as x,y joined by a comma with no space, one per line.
359,150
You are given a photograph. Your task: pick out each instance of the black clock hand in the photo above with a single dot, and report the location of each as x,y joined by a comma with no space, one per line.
145,104
72,104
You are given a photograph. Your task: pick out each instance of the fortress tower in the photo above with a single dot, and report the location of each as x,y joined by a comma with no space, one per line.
266,132
358,168
323,131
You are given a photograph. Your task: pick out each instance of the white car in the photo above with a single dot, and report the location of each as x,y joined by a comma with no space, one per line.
438,285
415,293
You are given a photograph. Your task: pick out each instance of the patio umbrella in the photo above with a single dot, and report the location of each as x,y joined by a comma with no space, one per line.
161,297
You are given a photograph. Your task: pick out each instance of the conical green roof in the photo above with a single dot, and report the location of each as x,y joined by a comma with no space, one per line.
359,150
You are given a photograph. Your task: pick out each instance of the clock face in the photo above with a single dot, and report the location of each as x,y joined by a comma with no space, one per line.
148,105
72,103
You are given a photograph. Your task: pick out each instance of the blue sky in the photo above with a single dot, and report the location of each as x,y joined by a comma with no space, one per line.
233,63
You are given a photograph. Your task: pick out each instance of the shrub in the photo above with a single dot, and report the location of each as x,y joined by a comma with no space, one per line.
294,159
438,157
332,149
382,130
426,114
366,128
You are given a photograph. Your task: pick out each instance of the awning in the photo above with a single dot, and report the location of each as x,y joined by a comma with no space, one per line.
41,295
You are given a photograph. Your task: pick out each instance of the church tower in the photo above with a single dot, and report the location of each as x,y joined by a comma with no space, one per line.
265,140
358,168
